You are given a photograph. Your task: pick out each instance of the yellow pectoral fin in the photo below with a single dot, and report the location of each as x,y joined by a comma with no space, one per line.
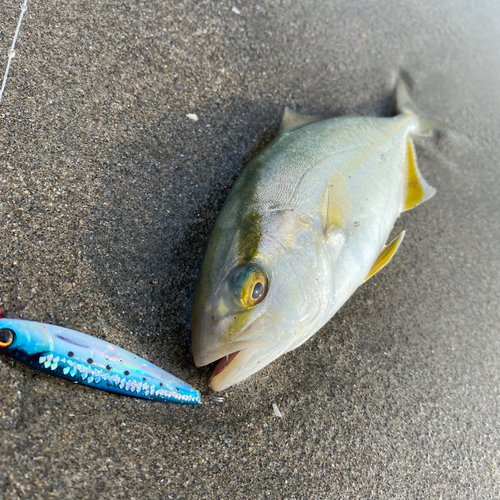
337,205
417,189
385,256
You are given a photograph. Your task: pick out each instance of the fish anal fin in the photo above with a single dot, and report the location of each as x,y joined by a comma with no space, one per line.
292,120
385,256
337,205
417,189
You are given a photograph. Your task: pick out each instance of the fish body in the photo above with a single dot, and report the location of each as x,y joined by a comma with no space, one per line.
303,227
90,361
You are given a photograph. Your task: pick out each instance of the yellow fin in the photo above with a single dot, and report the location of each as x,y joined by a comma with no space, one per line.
292,120
336,207
385,256
417,189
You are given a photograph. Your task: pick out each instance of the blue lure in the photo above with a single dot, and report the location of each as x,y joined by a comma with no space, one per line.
87,360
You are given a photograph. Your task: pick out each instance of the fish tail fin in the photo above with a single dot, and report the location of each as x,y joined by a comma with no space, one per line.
403,103
417,188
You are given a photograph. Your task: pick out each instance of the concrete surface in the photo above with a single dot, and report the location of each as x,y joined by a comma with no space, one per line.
108,194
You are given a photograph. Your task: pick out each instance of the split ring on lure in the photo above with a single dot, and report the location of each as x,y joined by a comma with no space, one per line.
90,361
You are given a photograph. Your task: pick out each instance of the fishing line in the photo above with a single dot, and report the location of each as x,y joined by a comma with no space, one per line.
12,51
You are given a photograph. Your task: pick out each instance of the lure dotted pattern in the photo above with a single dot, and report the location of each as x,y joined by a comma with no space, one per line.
95,376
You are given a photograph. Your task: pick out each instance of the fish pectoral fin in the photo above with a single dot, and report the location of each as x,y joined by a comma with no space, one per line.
417,189
385,256
292,120
336,207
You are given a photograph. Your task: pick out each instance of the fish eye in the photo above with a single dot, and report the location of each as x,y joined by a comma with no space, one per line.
251,285
6,337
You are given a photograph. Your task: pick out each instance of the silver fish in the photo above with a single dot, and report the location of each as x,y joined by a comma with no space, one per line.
305,224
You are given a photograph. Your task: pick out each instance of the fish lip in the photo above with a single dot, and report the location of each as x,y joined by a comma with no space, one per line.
226,350
232,372
218,382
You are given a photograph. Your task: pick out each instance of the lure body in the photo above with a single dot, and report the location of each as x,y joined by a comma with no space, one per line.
90,361
303,227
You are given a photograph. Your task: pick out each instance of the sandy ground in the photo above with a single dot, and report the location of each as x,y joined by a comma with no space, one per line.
109,192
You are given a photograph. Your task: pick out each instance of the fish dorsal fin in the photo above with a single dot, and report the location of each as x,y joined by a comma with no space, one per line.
385,256
336,206
417,189
292,120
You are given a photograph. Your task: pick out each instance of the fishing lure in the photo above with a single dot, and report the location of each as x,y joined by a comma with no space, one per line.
90,361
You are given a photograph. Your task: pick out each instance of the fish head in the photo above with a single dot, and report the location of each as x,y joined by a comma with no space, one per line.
250,307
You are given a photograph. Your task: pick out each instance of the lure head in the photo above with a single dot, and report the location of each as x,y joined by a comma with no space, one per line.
259,294
22,339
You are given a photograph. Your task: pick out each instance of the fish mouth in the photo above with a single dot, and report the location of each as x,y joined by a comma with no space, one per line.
232,361
223,363
232,369
207,358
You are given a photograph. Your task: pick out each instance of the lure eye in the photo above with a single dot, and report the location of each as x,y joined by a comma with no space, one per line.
6,337
253,285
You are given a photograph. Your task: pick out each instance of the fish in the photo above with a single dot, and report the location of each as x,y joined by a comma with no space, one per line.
90,361
305,224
